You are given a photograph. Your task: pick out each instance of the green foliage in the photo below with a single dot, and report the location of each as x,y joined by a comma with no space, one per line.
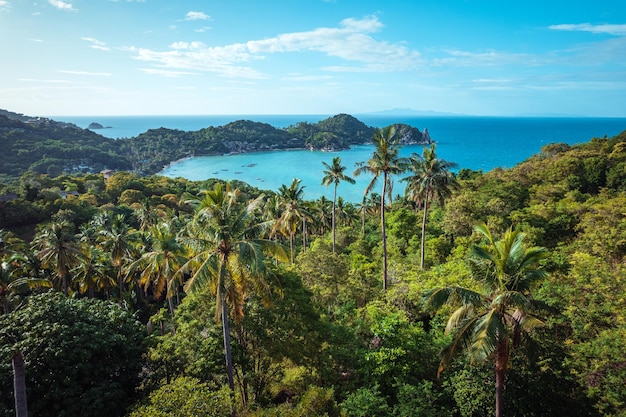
600,365
365,402
185,397
322,331
315,402
83,357
423,400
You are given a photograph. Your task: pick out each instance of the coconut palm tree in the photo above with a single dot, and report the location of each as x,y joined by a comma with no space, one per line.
334,174
430,179
94,272
159,267
57,248
294,213
489,324
345,212
227,258
118,239
384,162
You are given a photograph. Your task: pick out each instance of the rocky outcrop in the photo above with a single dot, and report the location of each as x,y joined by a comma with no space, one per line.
408,135
94,125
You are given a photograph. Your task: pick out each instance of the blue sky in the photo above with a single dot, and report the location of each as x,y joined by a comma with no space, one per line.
157,57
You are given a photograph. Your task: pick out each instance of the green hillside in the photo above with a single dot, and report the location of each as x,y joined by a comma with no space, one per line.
45,146
508,281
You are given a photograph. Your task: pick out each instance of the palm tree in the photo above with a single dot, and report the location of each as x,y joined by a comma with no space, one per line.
118,239
159,266
321,212
294,212
93,273
491,323
430,179
386,162
333,174
227,258
57,249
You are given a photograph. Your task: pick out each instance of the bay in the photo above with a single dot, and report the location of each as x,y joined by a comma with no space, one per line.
478,143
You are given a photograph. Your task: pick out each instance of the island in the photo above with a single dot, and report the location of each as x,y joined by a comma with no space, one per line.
44,146
95,125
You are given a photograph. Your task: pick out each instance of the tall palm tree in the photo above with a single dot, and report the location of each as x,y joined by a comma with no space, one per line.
294,212
334,174
118,239
93,273
56,247
227,258
430,179
384,162
491,323
160,265
321,212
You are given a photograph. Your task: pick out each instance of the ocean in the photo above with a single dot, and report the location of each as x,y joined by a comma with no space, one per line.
478,143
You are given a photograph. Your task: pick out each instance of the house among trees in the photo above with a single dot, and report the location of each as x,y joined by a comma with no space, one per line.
107,173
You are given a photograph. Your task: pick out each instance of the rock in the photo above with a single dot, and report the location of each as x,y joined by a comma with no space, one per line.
94,125
408,135
426,137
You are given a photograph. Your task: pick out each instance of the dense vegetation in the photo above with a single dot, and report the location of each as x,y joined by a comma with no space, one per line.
48,147
520,290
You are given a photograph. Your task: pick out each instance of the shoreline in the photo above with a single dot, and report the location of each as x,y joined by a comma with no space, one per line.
171,163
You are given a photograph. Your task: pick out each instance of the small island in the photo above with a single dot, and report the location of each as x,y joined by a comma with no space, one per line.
95,125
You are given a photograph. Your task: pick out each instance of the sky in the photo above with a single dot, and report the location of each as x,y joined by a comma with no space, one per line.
166,57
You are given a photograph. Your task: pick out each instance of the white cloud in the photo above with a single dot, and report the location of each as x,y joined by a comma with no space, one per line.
36,80
95,74
617,30
300,77
62,5
187,45
4,5
197,16
351,41
96,44
166,73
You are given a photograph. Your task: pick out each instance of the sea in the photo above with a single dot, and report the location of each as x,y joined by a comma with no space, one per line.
474,142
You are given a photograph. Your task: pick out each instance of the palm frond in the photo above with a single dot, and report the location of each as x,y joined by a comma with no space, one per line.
488,331
461,340
459,316
437,297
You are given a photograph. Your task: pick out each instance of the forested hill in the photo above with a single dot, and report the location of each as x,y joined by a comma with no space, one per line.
49,147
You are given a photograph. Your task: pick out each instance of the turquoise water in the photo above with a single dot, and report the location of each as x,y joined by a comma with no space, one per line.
472,142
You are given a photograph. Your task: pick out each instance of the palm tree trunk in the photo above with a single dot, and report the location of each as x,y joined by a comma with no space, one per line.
502,355
363,210
423,232
384,231
19,385
170,304
333,220
5,305
499,392
227,352
120,283
291,245
304,232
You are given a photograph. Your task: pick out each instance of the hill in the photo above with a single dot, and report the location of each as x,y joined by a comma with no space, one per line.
46,146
